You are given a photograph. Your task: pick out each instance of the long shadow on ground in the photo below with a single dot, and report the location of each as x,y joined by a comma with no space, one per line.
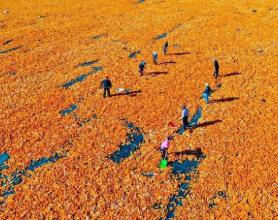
131,93
7,41
87,63
168,62
231,74
9,50
205,124
97,37
230,99
196,152
157,73
179,53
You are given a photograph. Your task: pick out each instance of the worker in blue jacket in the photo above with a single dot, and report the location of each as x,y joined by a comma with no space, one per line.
207,93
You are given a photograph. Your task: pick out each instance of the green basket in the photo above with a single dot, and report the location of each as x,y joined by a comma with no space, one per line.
163,163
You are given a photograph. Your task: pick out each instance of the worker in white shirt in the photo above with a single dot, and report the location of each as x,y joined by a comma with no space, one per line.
184,116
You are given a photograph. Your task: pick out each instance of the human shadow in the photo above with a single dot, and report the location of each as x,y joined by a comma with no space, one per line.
178,53
7,42
231,74
168,62
229,99
196,152
131,93
157,73
87,63
205,124
9,50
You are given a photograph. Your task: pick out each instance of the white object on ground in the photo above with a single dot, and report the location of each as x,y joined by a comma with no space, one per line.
121,90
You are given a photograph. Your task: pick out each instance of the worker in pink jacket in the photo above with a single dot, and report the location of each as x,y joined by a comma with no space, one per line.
164,147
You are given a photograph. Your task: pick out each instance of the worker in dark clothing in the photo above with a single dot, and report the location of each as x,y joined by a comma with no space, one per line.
106,85
184,116
142,66
165,47
216,69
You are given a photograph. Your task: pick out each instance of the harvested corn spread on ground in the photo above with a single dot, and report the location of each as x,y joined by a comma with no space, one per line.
58,134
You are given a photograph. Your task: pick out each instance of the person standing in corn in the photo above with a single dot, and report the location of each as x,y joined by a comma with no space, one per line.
216,69
164,150
184,117
164,147
155,57
106,85
207,93
165,47
141,67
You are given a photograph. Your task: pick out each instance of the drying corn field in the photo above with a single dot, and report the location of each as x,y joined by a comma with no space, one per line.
66,152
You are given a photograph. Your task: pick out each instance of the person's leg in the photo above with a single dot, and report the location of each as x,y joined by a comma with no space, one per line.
104,93
166,153
163,153
188,125
216,73
206,98
108,91
185,122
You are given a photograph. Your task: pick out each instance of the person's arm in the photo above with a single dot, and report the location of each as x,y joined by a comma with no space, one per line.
101,85
110,84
